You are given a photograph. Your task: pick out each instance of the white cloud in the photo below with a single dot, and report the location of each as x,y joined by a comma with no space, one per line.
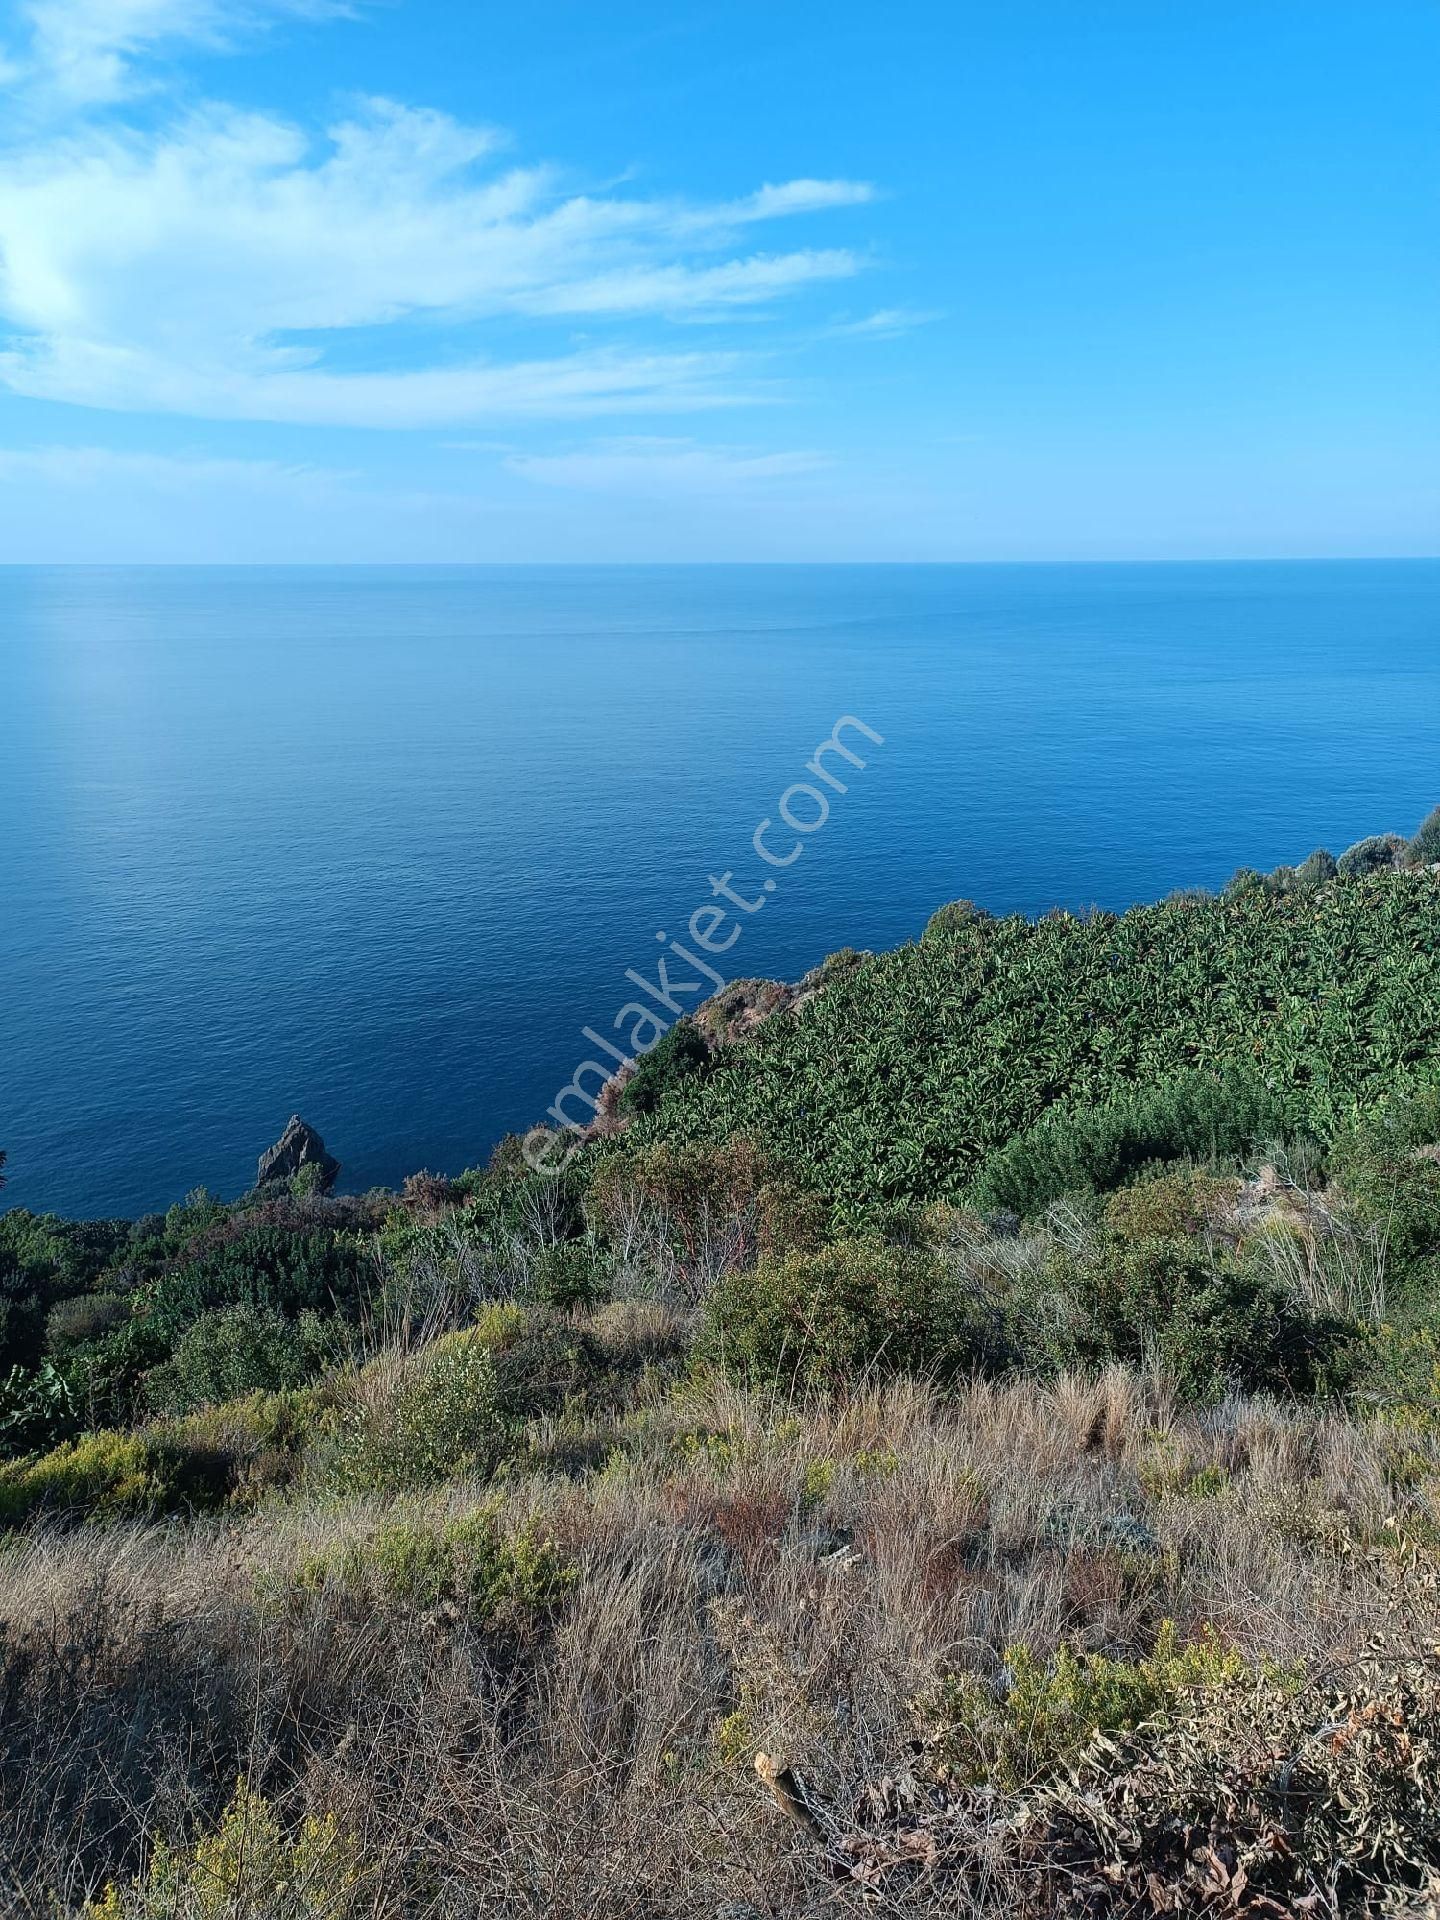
87,51
650,464
885,324
679,290
801,196
574,386
206,267
105,468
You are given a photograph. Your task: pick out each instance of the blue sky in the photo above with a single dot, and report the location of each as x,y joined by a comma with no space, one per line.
424,281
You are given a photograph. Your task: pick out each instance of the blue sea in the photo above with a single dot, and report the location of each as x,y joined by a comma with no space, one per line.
375,845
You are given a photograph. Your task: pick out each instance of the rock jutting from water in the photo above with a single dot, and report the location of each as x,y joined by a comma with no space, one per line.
299,1146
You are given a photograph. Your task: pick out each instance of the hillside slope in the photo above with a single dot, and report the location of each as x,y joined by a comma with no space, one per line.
969,1444
891,1087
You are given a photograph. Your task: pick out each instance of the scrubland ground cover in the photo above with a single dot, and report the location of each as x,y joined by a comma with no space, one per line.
973,1446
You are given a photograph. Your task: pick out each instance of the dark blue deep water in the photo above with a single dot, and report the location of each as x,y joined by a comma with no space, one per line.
375,845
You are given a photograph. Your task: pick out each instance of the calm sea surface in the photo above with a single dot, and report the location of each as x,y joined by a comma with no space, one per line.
376,845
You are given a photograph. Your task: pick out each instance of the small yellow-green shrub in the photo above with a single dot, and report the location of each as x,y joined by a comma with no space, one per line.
103,1475
1173,1205
471,1563
815,1485
258,1442
440,1415
733,1738
852,1308
249,1866
1050,1711
1169,1472
230,1453
498,1325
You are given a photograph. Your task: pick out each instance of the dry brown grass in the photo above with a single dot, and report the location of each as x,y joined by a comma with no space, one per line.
747,1577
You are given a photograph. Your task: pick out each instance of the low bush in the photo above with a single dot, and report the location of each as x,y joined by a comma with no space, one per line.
542,1361
829,1317
233,1351
1424,849
248,1866
255,1444
1044,1714
1173,1205
701,1207
83,1317
112,1476
1375,855
1209,1323
472,1564
571,1273
638,1332
1200,1116
954,920
1318,870
418,1418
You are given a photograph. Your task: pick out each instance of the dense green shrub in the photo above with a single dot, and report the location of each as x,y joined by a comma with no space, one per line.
542,1359
421,1418
571,1273
111,1476
1046,1713
1096,1149
678,1055
1388,1167
44,1261
232,1351
1207,1322
511,1199
828,1317
69,1255
1398,1193
284,1269
1375,855
470,1563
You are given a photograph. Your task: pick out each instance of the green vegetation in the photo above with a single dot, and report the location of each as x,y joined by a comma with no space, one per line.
852,1308
249,1865
422,1419
469,1563
679,1055
898,1083
1095,1149
1047,1713
993,1389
